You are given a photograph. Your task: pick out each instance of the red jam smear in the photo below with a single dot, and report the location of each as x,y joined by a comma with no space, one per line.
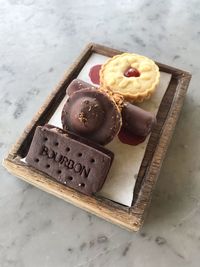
130,139
132,72
94,74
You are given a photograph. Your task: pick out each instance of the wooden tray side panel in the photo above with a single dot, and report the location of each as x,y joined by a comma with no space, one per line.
103,209
156,133
152,172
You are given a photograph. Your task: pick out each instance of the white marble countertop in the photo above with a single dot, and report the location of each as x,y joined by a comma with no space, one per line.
39,40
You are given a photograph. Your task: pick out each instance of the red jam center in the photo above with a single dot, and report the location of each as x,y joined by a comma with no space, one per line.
131,72
130,139
94,74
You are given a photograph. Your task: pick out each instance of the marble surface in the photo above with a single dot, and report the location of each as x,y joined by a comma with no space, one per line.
39,40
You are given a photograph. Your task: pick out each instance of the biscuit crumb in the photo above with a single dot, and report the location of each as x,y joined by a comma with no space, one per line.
82,118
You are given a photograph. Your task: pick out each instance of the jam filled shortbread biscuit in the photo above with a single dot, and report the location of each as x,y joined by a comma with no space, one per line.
133,76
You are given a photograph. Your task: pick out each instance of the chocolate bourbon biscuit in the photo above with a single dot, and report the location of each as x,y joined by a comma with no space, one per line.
70,159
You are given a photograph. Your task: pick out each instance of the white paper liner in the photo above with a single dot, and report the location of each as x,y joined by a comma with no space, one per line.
121,179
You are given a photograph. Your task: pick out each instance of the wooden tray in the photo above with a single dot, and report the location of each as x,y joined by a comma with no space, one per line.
132,217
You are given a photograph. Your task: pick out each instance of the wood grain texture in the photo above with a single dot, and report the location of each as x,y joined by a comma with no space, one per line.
112,213
148,182
130,218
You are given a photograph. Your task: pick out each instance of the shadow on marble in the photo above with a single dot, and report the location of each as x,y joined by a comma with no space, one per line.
176,194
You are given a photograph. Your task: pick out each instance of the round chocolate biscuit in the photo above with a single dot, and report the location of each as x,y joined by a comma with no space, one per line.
92,114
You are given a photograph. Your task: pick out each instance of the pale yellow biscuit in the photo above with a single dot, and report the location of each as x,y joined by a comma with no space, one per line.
134,89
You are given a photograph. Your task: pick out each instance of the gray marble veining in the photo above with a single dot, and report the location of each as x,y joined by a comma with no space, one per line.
39,40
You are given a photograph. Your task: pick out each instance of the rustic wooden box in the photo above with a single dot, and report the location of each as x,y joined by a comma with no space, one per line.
132,217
